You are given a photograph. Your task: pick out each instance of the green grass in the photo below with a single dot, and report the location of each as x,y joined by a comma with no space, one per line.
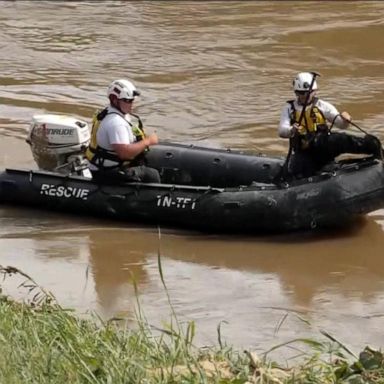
50,345
40,342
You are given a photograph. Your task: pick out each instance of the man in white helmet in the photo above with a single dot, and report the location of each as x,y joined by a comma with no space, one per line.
118,142
312,143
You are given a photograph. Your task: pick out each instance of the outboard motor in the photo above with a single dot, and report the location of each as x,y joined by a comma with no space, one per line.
58,144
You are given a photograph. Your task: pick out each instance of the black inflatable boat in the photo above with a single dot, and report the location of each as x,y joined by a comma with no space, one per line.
210,190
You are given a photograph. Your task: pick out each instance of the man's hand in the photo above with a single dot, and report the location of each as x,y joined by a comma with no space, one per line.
151,139
346,116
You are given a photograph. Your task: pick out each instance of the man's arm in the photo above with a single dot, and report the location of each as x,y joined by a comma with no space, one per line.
340,120
285,123
130,151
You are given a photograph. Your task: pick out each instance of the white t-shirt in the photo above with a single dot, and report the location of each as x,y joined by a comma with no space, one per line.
115,128
328,110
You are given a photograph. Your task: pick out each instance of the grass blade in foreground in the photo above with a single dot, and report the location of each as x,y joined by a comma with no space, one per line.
43,343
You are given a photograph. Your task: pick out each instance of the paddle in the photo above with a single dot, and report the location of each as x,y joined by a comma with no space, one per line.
293,140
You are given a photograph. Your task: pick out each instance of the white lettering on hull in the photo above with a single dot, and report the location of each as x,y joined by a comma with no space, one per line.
62,191
176,202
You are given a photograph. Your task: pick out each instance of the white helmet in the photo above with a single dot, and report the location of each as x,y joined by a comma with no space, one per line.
303,81
123,89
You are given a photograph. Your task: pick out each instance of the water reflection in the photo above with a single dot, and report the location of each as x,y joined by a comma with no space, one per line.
117,262
349,261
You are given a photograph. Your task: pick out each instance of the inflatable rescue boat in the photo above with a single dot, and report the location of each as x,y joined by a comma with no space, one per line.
211,190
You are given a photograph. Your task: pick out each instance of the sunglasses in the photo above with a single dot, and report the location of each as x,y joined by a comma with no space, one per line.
127,100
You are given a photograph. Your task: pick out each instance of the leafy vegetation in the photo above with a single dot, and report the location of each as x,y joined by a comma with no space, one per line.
40,342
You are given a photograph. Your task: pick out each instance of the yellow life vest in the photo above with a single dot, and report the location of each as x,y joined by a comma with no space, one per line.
312,119
96,154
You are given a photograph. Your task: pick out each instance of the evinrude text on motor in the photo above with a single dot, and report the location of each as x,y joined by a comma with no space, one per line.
58,143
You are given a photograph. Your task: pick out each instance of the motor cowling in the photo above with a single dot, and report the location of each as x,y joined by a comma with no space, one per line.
58,143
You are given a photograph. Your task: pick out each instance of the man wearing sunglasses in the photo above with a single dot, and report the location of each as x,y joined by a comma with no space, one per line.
118,142
313,145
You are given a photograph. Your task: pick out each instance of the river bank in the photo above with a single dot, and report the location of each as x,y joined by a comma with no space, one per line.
41,342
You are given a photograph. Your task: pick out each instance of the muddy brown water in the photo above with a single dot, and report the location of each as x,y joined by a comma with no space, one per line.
213,74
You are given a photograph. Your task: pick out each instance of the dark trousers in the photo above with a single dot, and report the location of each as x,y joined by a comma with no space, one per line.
325,147
139,173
